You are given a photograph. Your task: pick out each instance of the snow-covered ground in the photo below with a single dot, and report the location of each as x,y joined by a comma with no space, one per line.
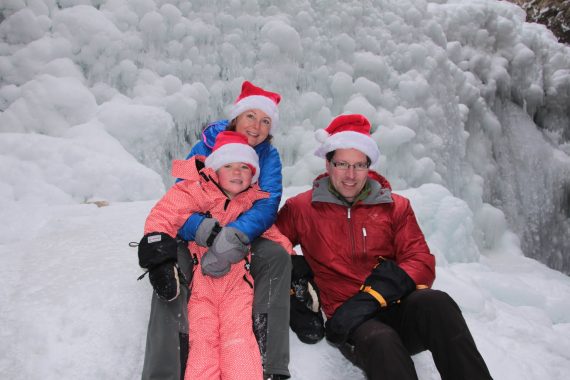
470,107
73,309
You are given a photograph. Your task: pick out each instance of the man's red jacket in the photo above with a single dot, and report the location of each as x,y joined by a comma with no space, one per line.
342,244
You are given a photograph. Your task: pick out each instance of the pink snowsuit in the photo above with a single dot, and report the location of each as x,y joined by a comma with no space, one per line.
222,343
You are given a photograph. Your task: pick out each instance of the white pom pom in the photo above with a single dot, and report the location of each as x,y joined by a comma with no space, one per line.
321,135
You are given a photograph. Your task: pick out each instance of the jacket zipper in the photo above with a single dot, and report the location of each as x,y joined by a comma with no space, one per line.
351,232
364,239
227,202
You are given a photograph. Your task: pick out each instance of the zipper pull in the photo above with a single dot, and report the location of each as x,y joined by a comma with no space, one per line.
364,231
348,213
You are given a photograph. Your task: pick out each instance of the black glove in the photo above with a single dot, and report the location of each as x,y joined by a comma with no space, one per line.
305,319
158,254
385,286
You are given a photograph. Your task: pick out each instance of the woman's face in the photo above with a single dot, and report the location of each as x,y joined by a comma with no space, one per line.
234,178
255,125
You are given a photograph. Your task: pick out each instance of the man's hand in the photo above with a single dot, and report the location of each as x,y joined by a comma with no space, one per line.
385,286
348,316
388,283
158,254
229,247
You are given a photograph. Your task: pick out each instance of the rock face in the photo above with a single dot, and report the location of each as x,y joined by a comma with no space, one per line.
555,14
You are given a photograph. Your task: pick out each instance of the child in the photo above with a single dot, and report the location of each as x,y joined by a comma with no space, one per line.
222,343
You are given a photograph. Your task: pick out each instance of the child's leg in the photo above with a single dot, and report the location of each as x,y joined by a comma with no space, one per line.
204,348
239,352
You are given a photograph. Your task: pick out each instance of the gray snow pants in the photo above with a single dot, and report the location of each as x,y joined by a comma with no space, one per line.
167,335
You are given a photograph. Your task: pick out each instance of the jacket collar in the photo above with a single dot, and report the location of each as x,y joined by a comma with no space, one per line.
378,187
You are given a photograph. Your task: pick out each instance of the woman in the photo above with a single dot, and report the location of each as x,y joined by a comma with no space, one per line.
222,343
254,114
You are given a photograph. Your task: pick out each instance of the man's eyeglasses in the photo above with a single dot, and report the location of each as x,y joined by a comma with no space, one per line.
359,166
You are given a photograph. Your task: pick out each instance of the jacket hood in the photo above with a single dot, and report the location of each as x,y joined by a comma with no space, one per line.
188,169
194,169
211,131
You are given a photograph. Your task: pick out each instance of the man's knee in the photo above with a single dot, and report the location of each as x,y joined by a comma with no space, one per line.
375,335
433,300
380,352
431,313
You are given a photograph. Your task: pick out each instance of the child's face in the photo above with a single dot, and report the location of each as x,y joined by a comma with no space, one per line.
234,178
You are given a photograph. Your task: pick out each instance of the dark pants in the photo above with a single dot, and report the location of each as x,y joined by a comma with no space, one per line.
271,272
166,349
167,336
425,320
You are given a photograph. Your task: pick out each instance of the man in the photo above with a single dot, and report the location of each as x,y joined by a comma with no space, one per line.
373,267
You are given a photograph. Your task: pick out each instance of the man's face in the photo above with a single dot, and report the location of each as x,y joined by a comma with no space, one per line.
349,182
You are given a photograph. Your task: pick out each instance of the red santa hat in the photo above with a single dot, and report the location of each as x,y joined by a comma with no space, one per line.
346,132
233,147
253,97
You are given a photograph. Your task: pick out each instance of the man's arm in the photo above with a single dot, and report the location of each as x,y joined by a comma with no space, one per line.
286,223
412,252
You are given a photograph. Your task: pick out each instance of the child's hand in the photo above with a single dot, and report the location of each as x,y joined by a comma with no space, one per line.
229,247
206,232
230,244
214,266
158,254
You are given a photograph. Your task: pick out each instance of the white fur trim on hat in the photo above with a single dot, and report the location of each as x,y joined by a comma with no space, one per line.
256,102
321,135
348,140
234,152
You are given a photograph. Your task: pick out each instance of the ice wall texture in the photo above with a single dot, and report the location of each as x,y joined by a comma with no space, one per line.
461,94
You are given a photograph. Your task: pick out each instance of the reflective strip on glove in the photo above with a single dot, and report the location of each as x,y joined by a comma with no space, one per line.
375,294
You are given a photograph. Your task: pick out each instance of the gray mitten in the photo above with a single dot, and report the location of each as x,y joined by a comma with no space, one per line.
229,247
207,230
214,266
231,244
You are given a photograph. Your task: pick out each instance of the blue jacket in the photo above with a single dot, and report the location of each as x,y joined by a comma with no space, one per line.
262,215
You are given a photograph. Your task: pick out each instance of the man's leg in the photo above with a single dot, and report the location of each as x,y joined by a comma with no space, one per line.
167,335
430,319
271,271
377,349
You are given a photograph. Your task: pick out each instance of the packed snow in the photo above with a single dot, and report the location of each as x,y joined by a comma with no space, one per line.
470,107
